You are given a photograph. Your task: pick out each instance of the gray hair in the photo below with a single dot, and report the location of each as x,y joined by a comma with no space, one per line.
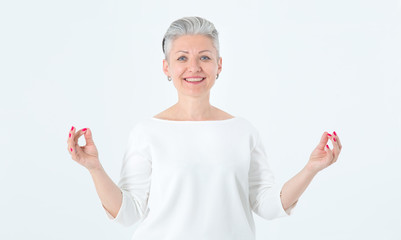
190,26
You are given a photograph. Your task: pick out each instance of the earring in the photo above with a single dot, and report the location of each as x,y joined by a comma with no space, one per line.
169,78
217,76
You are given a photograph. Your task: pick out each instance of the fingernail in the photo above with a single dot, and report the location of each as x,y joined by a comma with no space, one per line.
327,146
335,133
71,149
70,135
334,139
84,129
329,134
72,128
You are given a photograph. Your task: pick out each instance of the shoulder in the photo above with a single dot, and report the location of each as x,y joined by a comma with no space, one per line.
221,115
248,124
140,127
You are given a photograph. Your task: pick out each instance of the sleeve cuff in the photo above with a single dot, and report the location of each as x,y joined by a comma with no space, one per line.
283,212
110,217
130,211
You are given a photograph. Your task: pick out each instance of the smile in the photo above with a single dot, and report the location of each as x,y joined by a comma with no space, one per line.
194,80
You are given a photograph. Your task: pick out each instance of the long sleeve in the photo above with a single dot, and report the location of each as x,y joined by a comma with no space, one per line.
135,179
264,193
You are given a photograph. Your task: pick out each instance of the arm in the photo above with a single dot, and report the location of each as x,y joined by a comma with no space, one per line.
294,187
320,158
126,202
109,193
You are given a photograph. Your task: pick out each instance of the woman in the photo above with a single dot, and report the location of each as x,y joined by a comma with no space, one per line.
194,171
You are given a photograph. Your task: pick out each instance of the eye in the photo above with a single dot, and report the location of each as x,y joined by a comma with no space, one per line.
179,59
207,58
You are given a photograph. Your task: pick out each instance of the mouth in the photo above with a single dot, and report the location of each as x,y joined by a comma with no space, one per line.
194,80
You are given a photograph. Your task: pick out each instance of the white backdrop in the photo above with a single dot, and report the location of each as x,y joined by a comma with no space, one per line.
293,68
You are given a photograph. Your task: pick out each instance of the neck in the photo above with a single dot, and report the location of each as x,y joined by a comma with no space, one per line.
190,108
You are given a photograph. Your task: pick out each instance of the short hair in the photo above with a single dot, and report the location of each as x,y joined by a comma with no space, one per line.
190,26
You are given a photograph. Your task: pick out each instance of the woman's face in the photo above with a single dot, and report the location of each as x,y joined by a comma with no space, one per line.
192,57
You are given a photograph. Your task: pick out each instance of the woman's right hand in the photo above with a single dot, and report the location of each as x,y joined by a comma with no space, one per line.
86,155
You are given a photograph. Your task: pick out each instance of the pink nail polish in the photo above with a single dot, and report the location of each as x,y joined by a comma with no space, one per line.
71,149
329,134
335,133
334,139
70,135
327,146
72,128
84,129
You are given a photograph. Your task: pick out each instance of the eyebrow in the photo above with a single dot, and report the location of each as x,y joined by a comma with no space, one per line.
188,52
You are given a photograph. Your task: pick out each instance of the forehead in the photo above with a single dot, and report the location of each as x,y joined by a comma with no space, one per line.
192,42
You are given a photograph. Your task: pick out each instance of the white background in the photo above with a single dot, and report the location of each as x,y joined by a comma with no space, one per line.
293,68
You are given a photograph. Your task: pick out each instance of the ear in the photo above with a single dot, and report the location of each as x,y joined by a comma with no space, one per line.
219,65
165,68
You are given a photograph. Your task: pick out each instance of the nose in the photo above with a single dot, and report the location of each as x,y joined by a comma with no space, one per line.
193,65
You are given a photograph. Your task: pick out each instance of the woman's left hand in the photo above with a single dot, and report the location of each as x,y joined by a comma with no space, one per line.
323,156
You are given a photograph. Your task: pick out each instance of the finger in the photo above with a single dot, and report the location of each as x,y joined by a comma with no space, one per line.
329,153
70,140
73,146
323,141
338,140
88,136
73,151
70,149
77,135
70,133
336,149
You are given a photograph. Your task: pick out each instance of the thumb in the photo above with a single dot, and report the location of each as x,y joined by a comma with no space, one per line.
323,141
88,137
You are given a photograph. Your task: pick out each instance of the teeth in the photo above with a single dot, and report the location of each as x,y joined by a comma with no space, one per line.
193,79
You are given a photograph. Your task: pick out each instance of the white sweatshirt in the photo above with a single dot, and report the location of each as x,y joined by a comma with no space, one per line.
196,180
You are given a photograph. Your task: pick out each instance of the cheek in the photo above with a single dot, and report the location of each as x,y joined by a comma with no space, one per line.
211,69
178,70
